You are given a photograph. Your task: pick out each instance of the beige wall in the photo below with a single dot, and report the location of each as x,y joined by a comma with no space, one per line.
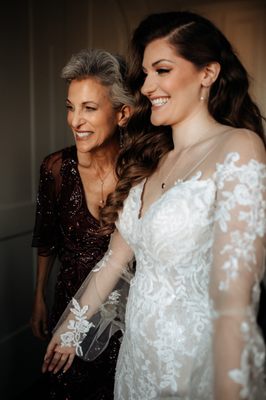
36,40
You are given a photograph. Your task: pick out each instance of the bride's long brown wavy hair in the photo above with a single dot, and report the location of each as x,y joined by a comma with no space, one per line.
197,40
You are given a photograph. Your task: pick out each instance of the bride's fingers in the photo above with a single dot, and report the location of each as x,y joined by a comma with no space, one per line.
69,362
54,361
49,354
47,359
45,364
61,362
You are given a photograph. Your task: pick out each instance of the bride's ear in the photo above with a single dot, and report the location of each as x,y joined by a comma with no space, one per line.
210,74
123,115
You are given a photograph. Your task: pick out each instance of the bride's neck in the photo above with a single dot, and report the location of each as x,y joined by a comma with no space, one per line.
191,131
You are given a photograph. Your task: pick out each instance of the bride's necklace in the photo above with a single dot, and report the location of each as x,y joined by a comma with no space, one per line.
194,166
163,184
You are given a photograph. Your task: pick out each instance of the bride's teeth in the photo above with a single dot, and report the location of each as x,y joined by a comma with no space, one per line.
159,101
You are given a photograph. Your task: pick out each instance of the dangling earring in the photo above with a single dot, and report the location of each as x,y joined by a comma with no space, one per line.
204,94
121,136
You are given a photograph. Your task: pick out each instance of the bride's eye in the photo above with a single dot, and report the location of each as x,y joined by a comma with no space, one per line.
161,71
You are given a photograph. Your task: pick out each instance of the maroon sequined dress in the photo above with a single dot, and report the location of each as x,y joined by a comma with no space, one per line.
65,227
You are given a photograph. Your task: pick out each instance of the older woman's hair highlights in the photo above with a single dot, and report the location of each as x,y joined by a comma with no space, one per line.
107,68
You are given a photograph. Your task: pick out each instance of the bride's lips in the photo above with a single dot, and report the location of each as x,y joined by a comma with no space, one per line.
159,101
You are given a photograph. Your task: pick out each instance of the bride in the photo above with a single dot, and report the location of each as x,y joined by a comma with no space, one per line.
190,206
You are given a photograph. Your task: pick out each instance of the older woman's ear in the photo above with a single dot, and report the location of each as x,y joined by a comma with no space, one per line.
124,115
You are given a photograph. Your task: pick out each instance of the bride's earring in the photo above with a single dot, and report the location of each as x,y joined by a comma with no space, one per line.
204,94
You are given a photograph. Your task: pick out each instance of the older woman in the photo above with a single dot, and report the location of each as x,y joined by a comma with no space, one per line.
74,184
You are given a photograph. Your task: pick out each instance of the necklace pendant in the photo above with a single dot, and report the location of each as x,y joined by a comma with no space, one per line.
163,185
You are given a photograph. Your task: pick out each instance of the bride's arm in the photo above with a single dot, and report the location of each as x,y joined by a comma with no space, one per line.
80,315
238,263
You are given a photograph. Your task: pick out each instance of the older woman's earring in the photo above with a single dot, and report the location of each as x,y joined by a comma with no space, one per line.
121,136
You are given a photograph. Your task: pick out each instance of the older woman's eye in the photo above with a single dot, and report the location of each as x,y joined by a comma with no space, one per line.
90,108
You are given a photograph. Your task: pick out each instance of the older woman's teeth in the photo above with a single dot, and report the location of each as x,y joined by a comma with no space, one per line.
82,134
159,102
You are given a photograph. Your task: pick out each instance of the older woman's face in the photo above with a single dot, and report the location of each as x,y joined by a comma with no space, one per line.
90,114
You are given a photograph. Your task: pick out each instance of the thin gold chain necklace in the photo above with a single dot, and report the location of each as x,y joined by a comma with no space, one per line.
163,184
102,201
194,166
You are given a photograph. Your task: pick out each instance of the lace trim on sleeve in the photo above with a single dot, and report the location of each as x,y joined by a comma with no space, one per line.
78,328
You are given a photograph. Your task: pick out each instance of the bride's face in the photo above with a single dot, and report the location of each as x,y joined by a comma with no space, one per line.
172,84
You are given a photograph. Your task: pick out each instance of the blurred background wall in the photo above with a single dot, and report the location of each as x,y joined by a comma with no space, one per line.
36,40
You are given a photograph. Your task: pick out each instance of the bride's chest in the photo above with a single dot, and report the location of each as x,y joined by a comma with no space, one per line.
184,212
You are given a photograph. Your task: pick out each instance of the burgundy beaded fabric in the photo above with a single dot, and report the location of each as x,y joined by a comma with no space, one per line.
65,227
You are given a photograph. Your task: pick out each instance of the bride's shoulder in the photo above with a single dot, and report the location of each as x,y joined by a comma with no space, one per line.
248,144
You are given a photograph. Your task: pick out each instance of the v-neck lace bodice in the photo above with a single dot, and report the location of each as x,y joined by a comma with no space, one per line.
167,347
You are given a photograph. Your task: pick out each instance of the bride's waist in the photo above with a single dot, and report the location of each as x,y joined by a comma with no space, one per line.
169,296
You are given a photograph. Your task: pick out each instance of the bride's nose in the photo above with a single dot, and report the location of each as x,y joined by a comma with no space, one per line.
149,86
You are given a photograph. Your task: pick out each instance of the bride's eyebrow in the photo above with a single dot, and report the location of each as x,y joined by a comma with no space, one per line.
162,60
158,62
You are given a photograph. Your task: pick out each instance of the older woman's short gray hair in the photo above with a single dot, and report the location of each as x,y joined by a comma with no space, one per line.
107,68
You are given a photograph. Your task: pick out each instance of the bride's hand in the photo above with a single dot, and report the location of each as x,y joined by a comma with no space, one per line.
58,357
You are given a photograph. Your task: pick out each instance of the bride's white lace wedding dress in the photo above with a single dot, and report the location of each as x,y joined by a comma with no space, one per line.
191,329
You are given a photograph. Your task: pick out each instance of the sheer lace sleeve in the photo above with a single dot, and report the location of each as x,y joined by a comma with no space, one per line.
97,310
238,267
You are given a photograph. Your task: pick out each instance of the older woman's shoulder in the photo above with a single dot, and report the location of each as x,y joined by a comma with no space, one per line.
53,161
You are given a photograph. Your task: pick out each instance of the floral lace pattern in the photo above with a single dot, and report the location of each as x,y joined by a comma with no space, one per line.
200,234
78,328
241,375
247,192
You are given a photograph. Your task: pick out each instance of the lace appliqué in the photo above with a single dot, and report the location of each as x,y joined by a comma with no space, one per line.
108,309
78,328
247,194
242,375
